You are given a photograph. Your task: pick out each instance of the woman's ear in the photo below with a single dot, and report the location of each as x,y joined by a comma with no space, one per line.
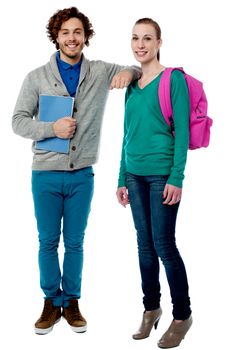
160,43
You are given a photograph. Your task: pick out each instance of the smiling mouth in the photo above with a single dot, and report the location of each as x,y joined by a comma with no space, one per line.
141,53
71,46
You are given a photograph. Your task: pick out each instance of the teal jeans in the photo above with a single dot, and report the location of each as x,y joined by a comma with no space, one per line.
62,201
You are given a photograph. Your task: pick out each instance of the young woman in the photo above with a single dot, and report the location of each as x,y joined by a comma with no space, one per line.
150,179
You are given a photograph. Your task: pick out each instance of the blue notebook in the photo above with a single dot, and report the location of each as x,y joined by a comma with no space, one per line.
52,108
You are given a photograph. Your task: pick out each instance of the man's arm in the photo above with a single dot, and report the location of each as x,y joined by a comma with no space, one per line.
121,76
23,122
122,79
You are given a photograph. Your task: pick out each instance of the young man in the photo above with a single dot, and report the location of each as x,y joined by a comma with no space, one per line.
62,184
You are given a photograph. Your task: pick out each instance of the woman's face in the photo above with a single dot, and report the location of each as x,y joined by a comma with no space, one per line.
144,43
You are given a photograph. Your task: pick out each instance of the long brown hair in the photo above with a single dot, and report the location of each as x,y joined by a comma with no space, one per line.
156,27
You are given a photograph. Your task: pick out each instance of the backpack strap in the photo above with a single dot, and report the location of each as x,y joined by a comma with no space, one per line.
164,92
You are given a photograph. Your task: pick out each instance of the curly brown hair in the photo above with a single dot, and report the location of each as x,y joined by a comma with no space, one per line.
55,23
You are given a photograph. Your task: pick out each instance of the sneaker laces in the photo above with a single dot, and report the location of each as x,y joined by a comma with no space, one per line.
74,310
46,313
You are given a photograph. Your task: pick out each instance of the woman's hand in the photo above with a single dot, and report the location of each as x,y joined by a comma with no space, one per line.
122,196
172,194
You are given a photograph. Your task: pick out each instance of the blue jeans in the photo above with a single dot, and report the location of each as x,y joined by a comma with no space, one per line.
155,226
62,198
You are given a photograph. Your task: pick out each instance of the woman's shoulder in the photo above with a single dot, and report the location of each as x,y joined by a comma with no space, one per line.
130,89
132,86
177,77
177,74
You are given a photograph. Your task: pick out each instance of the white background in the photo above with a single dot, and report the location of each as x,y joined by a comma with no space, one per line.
196,35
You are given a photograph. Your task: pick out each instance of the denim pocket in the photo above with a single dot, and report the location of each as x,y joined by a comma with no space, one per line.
159,179
88,171
36,172
90,174
130,177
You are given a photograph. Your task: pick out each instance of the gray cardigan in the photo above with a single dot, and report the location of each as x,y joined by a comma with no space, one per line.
90,100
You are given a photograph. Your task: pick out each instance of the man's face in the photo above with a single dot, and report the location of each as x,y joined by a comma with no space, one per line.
71,40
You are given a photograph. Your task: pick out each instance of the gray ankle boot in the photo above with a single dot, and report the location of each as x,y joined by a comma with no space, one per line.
150,319
175,334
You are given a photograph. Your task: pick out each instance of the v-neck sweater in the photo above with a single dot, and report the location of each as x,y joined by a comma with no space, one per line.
149,148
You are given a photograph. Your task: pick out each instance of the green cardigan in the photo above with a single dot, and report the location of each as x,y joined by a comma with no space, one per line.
149,147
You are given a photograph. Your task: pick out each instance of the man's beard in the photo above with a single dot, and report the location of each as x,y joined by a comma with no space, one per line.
74,55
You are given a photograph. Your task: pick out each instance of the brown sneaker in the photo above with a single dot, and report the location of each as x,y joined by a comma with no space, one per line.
50,315
74,317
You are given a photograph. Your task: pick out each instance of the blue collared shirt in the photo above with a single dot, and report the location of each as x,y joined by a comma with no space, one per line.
70,74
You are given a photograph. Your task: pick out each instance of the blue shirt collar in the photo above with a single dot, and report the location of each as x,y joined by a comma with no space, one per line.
65,66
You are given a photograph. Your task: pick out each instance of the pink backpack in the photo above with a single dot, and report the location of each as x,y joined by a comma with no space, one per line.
200,123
